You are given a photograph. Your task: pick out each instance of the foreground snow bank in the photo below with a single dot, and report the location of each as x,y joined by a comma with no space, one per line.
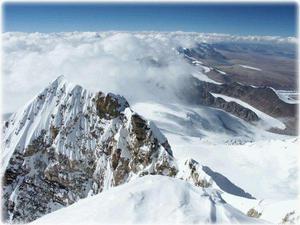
150,199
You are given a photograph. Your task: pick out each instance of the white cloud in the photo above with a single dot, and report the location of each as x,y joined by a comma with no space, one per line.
140,66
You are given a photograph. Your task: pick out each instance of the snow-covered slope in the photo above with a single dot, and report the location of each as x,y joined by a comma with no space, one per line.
202,122
263,164
150,199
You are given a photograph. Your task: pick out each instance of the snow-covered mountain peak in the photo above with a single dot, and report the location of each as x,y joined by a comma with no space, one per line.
68,143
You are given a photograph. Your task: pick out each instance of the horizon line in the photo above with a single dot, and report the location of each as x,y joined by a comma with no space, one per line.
149,31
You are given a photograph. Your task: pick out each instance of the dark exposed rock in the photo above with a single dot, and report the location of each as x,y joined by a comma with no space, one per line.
236,109
139,127
108,106
253,213
9,176
54,131
115,158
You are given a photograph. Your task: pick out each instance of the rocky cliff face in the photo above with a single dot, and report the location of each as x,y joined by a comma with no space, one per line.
68,143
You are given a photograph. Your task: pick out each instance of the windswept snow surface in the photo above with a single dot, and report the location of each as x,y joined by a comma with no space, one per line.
250,67
150,199
266,122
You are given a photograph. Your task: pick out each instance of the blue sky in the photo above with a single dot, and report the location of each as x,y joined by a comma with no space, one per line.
238,19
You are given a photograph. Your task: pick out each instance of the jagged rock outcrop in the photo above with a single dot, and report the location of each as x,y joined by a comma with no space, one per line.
204,177
291,218
253,213
236,109
69,143
192,172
